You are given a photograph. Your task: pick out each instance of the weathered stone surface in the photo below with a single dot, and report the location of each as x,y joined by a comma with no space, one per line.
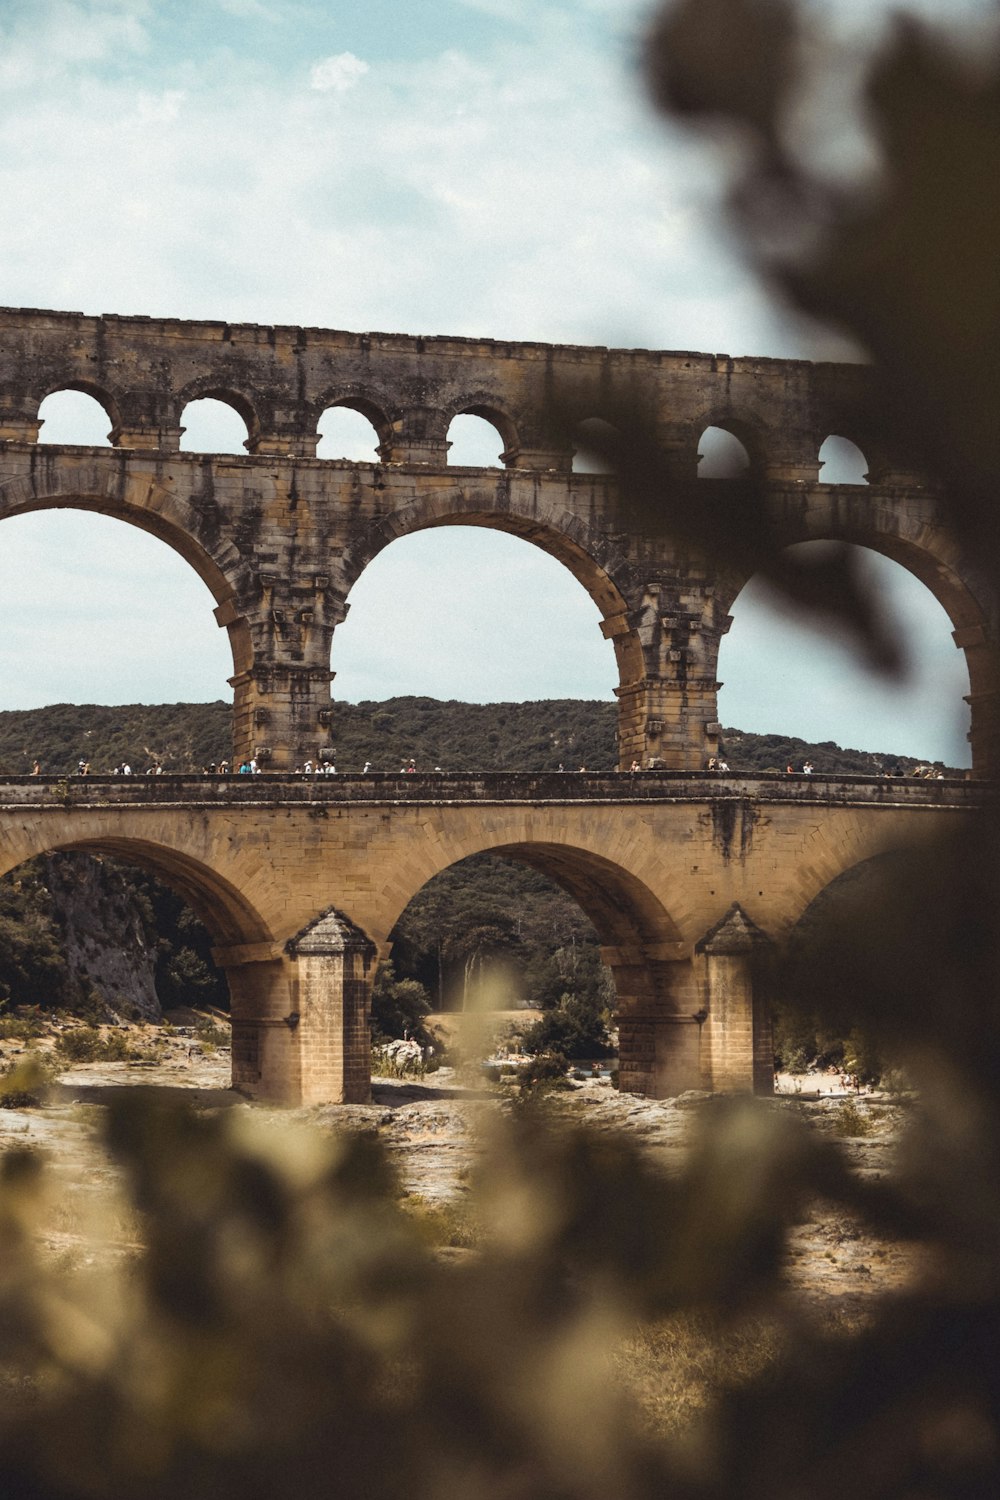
265,861
280,536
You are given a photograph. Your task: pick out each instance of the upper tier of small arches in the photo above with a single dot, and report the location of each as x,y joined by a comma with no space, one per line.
545,407
349,432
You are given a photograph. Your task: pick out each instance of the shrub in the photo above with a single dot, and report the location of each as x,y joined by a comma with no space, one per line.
86,1044
850,1121
20,1028
23,1086
547,1070
211,1035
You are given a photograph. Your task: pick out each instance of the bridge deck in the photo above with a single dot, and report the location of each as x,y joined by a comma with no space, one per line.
443,789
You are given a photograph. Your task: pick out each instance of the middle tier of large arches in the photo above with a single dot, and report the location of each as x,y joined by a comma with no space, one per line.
280,543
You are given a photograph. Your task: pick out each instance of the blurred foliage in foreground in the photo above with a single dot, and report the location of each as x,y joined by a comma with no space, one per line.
283,1332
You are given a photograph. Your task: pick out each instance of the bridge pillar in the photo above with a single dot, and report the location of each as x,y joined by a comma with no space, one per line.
737,1045
282,714
984,732
332,984
300,1015
658,1029
266,1053
418,436
668,717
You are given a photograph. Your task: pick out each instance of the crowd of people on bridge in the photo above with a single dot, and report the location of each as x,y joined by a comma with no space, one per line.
326,766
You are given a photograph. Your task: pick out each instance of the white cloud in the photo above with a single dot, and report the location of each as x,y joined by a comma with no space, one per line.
338,73
517,190
159,109
247,10
44,41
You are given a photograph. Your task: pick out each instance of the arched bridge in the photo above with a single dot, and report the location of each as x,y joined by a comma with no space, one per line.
280,536
301,879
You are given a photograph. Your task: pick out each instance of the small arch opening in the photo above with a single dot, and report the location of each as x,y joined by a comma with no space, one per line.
594,442
74,417
213,426
721,455
346,433
842,462
475,443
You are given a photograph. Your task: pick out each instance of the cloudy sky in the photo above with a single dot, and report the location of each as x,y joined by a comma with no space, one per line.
448,166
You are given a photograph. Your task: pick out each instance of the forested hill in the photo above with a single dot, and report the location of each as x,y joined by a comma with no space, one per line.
455,736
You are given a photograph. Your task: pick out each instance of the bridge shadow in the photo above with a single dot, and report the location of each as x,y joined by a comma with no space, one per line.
179,1093
388,1093
394,1092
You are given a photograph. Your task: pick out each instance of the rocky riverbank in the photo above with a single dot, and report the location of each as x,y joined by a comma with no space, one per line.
432,1132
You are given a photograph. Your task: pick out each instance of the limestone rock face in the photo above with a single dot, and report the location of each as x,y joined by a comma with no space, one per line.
107,944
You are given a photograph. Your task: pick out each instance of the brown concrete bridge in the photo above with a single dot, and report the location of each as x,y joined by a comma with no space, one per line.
301,879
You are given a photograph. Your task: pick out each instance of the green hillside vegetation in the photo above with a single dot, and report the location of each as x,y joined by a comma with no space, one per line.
537,736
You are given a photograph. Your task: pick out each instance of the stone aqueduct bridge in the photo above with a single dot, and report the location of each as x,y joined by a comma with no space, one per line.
280,536
301,881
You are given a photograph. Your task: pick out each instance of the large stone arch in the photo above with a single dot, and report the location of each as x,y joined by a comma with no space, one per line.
72,481
267,1052
655,982
909,536
225,910
548,524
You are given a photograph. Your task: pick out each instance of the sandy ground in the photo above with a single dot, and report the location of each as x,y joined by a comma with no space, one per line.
430,1129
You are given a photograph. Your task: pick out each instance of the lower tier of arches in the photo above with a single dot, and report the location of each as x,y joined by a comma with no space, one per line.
687,895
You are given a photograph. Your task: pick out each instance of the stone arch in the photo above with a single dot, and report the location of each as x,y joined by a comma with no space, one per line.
559,533
588,457
209,388
225,911
911,539
846,451
103,395
485,406
76,484
640,942
745,426
355,398
266,1055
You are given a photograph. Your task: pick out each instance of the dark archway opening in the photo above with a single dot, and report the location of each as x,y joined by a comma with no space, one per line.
105,940
496,941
